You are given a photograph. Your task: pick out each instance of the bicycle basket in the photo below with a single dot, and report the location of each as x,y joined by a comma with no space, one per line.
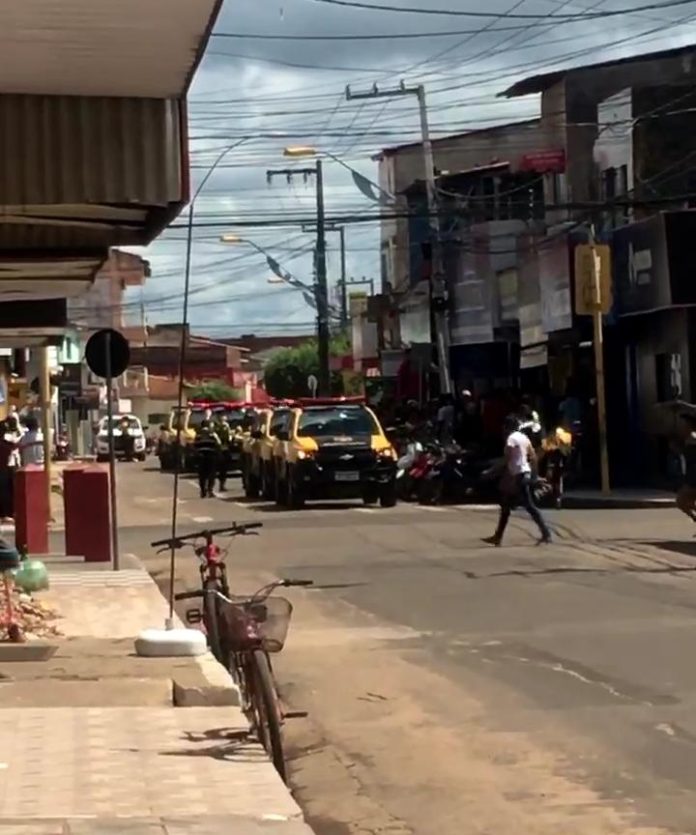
246,620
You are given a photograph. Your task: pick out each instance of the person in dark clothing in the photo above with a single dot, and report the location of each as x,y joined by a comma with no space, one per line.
208,450
224,433
516,483
7,451
686,495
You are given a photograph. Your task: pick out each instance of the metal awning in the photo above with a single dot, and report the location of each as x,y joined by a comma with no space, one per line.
144,48
47,275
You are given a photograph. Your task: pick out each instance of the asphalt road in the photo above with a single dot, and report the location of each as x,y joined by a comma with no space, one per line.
457,688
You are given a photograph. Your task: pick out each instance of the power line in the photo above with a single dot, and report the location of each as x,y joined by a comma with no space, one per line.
356,4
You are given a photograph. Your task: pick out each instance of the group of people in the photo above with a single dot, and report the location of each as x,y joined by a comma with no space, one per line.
213,439
21,444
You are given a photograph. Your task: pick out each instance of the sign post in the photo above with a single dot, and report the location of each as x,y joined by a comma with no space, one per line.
108,354
593,294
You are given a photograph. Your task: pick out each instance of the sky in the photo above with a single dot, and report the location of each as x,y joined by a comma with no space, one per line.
261,94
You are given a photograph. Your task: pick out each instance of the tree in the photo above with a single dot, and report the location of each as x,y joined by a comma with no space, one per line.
213,390
286,373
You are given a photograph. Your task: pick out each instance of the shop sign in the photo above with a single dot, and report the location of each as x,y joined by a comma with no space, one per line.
536,356
642,268
554,283
552,161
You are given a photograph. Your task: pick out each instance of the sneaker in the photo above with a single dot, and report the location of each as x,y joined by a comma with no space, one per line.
492,540
545,540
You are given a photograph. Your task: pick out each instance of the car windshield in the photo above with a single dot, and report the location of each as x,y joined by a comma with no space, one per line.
196,417
117,422
235,417
336,420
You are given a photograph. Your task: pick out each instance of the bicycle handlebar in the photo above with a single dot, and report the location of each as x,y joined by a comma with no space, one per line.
265,590
233,530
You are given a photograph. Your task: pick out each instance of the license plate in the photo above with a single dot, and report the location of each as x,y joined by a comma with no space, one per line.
348,476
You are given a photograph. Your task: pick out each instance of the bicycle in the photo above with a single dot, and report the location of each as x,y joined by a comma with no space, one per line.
254,627
213,573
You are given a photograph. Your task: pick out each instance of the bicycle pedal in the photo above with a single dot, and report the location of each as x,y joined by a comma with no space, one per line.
296,714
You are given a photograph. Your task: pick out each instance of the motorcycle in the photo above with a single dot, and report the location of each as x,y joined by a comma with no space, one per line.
459,475
556,451
413,468
62,449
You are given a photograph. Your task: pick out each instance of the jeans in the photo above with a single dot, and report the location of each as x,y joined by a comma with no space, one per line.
522,495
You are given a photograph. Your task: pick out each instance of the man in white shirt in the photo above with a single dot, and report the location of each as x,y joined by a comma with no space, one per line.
516,483
30,445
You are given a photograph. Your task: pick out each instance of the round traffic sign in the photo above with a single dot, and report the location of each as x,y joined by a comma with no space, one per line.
107,350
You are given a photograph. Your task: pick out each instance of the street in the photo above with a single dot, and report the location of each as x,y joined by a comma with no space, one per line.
457,688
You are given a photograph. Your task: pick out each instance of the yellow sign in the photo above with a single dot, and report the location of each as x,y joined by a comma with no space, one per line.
585,278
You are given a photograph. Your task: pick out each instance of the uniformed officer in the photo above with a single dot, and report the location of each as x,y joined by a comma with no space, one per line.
224,432
208,453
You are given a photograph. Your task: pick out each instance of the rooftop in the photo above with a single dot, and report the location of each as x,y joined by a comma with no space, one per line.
396,149
539,83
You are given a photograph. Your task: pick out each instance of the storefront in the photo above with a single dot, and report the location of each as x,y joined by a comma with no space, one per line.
656,305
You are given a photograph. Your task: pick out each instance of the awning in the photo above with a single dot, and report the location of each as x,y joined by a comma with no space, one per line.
143,48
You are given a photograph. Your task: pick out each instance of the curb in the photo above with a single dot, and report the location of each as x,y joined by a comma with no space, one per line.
218,688
571,502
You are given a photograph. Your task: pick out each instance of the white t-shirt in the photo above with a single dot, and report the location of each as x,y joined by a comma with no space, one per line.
520,448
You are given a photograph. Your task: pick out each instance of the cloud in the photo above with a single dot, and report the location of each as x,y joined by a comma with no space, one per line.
270,103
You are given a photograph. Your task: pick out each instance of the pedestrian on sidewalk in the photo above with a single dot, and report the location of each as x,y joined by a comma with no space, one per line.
516,483
31,450
686,495
208,450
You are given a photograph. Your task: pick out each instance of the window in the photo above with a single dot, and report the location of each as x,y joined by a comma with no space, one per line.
336,420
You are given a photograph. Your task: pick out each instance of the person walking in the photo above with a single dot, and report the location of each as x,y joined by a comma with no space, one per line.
30,445
208,450
516,483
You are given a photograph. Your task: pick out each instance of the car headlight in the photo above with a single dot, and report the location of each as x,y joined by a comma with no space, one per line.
304,454
387,453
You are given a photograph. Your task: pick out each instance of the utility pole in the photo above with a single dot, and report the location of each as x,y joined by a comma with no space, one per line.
597,307
321,290
438,289
334,227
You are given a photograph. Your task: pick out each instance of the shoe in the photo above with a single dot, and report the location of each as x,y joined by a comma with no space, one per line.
544,540
492,540
211,495
203,495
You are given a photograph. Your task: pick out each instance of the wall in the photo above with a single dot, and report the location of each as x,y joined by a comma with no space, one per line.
400,168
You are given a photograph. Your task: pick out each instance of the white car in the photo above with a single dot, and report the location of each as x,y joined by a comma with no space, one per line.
133,435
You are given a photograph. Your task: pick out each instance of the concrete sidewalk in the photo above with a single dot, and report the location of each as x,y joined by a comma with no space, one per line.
93,744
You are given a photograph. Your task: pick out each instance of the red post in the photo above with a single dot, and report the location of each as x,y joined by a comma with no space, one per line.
94,514
32,511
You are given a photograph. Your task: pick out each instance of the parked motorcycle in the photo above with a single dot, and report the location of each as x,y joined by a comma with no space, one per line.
460,475
554,459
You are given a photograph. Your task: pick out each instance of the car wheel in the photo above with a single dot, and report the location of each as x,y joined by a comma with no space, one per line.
370,496
387,496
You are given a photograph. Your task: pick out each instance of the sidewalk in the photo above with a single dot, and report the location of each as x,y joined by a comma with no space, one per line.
627,499
93,744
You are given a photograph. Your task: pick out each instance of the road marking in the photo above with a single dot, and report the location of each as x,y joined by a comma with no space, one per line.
431,508
202,519
364,509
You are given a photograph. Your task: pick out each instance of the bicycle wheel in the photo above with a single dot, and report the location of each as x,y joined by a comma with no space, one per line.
264,702
211,614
